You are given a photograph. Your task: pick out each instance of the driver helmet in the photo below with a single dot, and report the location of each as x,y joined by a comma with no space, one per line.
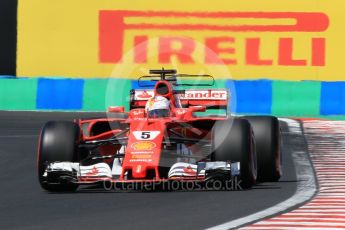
158,106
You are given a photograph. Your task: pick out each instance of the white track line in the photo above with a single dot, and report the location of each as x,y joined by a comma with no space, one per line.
327,209
289,228
306,187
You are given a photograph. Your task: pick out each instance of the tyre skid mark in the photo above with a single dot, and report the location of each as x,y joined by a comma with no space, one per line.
327,209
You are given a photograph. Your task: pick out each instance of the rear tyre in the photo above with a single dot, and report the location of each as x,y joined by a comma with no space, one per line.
233,141
57,142
267,138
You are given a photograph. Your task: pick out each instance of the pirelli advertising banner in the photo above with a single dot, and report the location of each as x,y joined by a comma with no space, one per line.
287,40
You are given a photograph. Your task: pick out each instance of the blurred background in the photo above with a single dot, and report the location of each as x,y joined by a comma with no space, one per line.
282,58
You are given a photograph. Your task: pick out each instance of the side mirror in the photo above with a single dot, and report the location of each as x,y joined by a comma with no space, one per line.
116,109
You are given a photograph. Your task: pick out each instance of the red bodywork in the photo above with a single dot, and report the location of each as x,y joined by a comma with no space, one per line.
146,137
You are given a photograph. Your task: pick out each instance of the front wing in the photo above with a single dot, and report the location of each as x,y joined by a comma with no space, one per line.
202,171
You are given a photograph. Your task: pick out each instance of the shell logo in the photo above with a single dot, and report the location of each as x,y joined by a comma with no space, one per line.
143,145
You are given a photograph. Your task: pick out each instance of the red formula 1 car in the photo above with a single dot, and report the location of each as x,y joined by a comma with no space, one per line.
184,143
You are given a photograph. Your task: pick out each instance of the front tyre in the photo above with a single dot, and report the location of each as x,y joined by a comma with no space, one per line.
57,142
267,138
233,141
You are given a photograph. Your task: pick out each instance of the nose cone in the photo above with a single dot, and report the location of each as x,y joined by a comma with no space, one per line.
139,171
143,150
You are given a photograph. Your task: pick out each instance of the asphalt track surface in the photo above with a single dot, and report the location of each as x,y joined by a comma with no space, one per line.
24,205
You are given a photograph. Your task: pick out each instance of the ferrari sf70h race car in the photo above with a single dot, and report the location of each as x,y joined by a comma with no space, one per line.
185,143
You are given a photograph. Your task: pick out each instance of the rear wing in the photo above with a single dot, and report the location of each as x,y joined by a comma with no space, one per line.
211,98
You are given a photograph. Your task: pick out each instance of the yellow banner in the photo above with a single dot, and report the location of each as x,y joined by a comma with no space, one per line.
290,40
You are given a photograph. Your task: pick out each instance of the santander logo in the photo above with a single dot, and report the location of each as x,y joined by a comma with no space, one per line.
144,95
190,171
93,172
205,95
